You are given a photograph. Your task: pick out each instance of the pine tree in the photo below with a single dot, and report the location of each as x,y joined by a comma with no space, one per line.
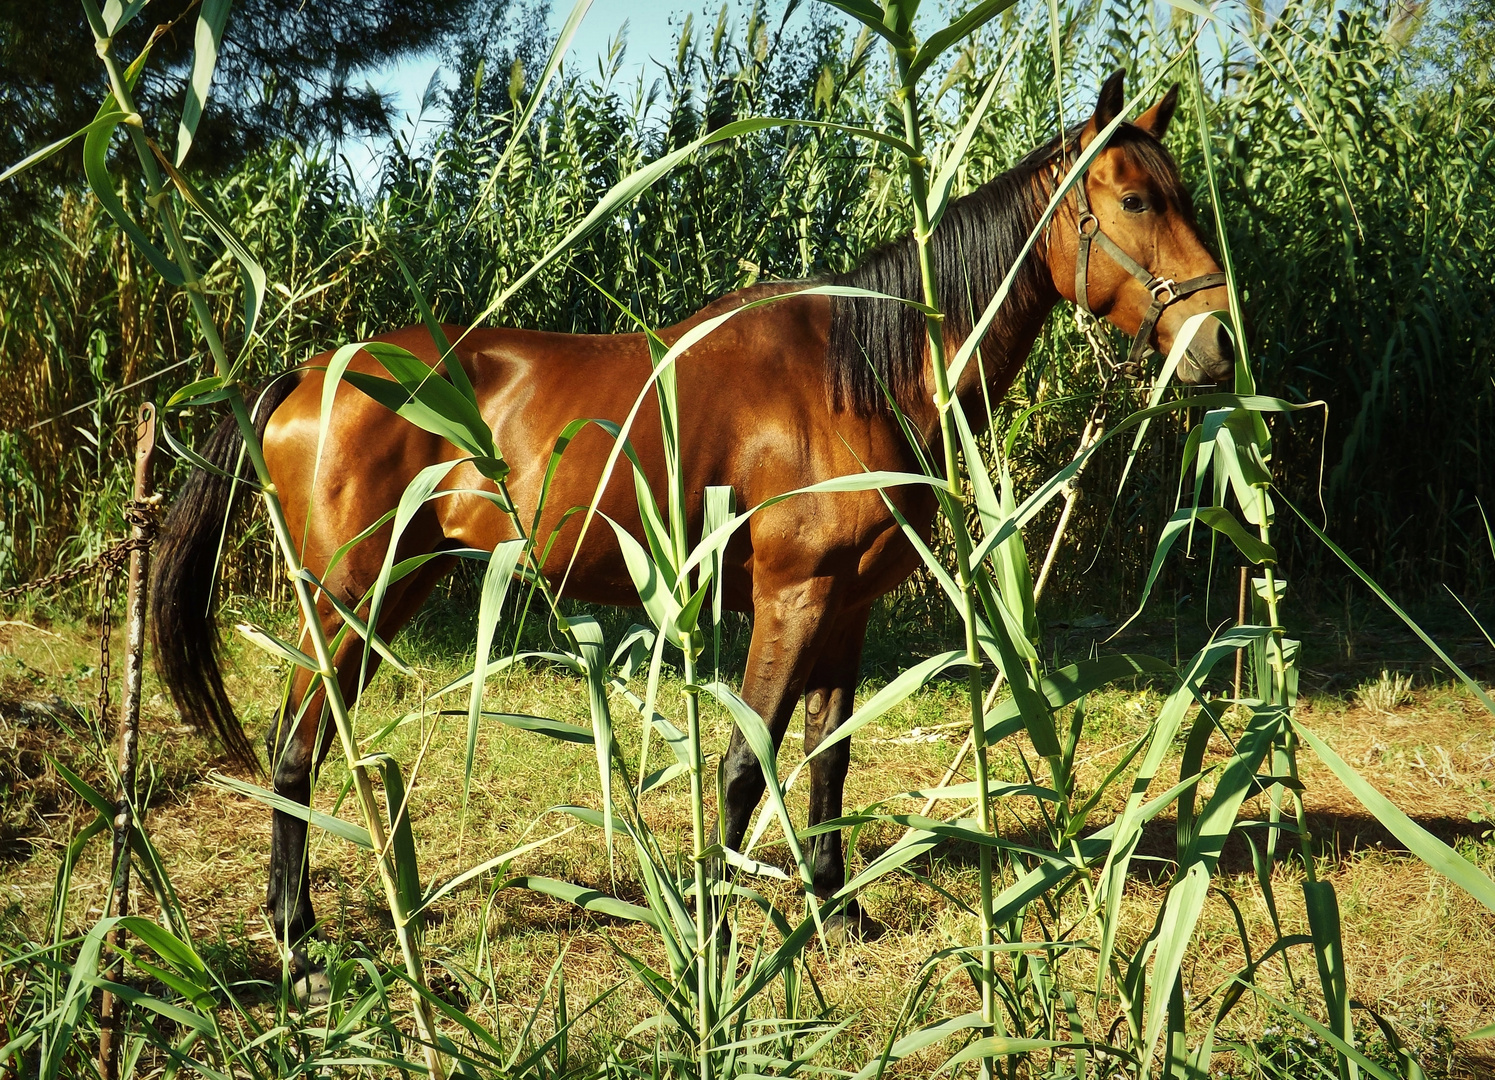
287,69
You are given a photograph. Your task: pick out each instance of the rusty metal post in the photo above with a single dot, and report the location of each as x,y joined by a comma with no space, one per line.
129,732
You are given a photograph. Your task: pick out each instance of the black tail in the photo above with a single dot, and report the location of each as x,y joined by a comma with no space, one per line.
184,625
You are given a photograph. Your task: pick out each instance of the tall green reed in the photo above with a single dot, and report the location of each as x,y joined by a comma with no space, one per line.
1147,981
1399,192
1227,457
177,267
1048,899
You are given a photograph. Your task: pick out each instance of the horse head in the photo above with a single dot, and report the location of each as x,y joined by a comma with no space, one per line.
1129,250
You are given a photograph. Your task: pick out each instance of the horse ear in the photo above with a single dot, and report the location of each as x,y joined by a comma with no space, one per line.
1155,120
1112,97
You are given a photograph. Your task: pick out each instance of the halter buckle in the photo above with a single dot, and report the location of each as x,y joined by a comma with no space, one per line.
1094,221
1163,285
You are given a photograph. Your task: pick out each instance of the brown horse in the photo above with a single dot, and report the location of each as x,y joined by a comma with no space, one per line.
780,397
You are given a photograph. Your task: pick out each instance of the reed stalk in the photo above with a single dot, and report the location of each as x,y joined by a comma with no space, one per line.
159,198
953,506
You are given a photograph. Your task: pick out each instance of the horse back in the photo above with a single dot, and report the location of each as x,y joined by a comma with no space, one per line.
754,415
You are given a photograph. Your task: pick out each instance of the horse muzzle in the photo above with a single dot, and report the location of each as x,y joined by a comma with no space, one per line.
1210,357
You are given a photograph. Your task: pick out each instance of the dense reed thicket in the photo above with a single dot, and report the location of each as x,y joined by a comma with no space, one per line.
1350,177
1079,938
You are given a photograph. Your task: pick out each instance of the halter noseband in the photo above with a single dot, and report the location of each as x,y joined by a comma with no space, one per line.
1164,290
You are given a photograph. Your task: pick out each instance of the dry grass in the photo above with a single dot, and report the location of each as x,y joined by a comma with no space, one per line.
1386,694
1417,949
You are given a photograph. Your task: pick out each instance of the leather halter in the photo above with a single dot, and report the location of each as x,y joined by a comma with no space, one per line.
1164,290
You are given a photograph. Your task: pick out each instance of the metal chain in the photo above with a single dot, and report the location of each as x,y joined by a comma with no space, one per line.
106,604
62,577
1106,356
141,514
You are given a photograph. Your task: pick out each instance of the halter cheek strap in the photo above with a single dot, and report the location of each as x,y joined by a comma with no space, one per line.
1164,290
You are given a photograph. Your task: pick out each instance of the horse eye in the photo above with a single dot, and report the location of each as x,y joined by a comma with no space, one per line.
1133,204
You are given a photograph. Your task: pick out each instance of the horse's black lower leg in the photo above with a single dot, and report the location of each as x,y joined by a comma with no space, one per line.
289,893
742,786
787,633
292,745
788,626
298,742
289,896
825,708
830,694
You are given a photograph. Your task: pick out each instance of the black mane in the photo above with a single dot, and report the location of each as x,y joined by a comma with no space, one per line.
877,344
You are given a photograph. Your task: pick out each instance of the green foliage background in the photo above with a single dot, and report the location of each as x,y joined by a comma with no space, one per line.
1352,167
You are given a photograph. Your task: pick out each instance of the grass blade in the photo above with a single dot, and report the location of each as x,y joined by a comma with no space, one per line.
496,579
1427,847
211,18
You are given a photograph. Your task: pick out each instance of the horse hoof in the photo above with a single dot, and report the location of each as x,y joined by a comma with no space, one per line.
845,927
312,989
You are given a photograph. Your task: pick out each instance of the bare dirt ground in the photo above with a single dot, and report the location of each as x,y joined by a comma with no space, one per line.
1418,950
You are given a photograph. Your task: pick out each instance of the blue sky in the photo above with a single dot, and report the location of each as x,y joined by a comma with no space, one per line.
651,29
651,33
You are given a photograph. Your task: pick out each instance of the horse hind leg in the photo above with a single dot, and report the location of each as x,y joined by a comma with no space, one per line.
297,742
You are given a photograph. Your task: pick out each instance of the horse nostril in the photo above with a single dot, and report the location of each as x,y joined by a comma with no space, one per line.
1211,355
1224,351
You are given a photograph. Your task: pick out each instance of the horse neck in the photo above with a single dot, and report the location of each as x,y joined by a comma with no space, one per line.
994,367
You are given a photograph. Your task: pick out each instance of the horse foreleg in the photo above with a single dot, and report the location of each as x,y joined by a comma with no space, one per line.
829,699
789,627
830,694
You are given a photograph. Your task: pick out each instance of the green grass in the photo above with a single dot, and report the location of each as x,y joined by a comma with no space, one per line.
1414,944
1086,917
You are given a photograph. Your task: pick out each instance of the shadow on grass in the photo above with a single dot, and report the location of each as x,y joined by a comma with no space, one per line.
1335,836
